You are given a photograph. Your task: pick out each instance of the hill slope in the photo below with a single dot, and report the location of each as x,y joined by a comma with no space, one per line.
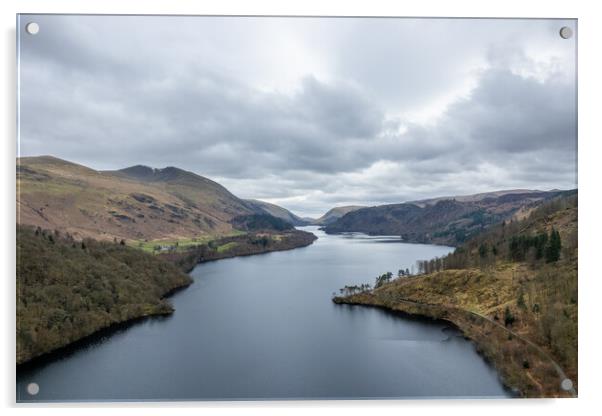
138,203
441,221
276,211
478,197
67,290
512,289
335,213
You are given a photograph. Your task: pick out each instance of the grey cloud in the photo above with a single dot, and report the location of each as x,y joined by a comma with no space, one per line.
173,92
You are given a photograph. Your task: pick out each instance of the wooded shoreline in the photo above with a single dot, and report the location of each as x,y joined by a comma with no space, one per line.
185,261
244,245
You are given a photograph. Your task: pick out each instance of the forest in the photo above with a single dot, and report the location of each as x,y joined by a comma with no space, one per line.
68,289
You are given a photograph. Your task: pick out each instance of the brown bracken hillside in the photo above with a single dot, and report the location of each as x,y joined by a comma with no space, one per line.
135,203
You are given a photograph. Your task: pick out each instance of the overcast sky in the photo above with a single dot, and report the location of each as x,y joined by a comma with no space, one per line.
308,113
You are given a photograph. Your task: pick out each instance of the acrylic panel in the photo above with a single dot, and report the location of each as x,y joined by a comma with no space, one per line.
269,208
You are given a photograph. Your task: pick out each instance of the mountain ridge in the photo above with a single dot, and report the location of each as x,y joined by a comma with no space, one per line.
277,211
441,220
136,203
478,196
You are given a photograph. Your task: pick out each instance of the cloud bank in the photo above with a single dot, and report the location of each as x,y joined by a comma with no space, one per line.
308,113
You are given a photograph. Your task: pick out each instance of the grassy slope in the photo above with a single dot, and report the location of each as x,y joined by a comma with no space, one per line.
55,194
178,244
541,297
66,291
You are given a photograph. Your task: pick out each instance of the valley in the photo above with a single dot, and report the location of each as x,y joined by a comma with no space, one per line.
133,234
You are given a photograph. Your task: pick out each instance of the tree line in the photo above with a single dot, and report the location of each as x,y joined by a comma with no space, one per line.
517,248
538,247
379,281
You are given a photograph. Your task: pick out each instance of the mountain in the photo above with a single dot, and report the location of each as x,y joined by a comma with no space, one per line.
196,192
139,202
335,213
442,220
512,289
276,211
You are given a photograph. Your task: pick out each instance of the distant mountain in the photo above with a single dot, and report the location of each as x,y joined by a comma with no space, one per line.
336,213
133,203
449,220
479,197
277,211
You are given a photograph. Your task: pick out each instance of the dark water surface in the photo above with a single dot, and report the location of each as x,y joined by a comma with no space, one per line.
264,327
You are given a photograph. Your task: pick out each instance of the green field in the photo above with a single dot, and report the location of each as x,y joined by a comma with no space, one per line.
181,244
226,247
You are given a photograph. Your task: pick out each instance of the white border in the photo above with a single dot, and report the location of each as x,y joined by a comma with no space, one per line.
590,108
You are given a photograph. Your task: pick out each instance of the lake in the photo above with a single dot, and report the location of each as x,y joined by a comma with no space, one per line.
264,327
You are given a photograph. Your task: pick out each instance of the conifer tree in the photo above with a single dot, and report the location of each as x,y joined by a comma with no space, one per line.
553,247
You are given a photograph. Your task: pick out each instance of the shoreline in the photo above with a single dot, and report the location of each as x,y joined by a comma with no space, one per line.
105,330
477,334
410,315
73,346
401,240
113,327
189,259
